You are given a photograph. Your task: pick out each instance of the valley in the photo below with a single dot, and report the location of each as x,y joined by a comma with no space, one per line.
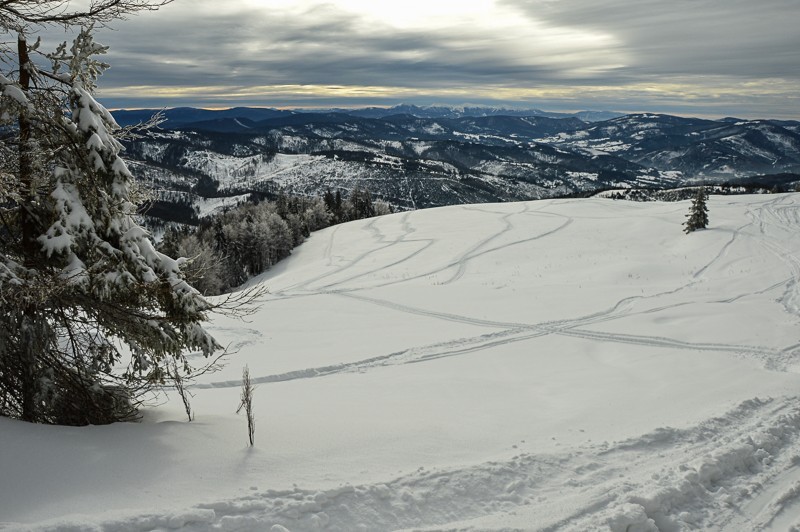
439,157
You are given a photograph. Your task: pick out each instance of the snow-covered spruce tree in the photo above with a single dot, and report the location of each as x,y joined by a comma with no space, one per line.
91,315
698,213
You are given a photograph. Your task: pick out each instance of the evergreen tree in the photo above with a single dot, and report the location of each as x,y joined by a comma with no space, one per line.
360,204
338,208
698,213
329,200
333,203
317,216
78,277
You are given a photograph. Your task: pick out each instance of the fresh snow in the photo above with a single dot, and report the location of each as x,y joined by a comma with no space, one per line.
571,364
208,206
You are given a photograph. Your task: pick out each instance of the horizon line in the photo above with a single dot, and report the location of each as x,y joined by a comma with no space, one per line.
454,106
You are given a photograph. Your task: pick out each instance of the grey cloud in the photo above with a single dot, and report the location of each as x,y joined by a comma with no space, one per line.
188,44
324,47
743,38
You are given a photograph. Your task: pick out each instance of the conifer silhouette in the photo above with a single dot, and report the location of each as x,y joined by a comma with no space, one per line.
698,213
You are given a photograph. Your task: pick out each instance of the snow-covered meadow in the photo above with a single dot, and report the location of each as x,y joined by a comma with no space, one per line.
551,365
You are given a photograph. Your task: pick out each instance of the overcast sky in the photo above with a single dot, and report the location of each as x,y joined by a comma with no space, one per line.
691,57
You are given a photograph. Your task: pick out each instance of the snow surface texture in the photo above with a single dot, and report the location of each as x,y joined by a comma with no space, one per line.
553,365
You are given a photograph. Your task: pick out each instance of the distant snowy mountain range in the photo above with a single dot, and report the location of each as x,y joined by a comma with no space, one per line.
417,157
182,116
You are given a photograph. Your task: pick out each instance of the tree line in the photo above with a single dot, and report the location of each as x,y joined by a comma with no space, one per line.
229,248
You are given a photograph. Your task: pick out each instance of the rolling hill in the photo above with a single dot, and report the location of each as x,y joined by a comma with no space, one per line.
417,157
574,365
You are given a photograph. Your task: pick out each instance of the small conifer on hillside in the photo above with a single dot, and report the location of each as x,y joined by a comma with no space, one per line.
698,213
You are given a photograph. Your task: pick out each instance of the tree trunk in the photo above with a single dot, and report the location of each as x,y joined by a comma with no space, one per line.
27,220
27,354
27,366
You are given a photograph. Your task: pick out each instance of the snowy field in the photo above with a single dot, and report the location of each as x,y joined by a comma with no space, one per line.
551,365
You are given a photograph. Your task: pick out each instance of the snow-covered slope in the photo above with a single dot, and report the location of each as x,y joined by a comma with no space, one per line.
406,172
551,365
695,148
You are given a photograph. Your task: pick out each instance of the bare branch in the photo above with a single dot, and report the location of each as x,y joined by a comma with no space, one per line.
247,404
17,15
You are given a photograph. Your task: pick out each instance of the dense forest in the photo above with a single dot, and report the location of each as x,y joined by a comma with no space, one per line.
226,249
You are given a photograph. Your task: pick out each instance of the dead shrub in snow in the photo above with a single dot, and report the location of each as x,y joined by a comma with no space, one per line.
247,403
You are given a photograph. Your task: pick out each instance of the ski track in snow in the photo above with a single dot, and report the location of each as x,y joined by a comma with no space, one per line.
782,218
722,251
461,262
378,237
740,471
734,472
329,247
511,332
